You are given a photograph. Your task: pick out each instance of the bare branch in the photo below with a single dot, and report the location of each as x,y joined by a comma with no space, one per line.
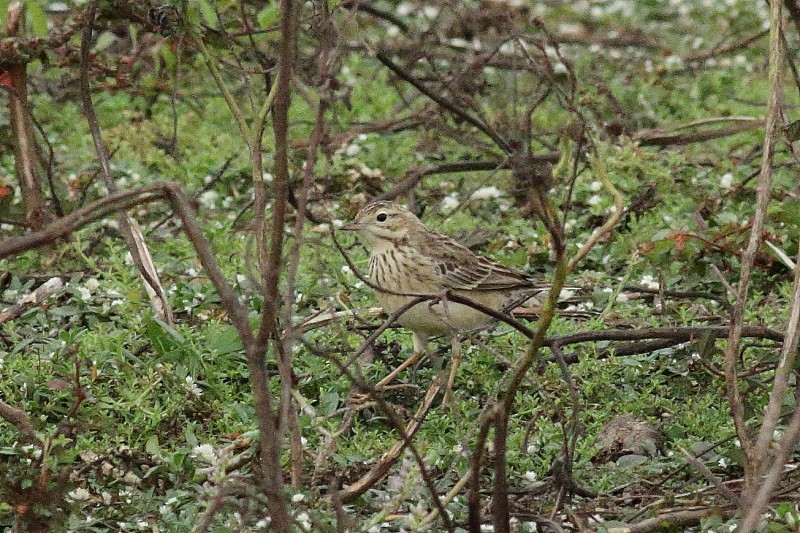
130,228
77,219
753,462
17,418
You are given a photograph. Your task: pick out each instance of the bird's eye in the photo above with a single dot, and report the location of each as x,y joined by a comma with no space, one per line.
381,217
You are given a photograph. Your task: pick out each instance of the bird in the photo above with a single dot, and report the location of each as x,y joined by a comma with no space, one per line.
409,260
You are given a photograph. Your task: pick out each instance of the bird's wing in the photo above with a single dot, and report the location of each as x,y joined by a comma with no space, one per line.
461,269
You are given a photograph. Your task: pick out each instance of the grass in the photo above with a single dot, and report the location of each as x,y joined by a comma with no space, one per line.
137,456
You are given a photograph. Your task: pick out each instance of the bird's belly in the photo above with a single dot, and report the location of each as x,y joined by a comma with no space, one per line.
442,317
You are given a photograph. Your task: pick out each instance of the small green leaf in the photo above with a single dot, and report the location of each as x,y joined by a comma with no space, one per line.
268,16
169,57
191,438
37,18
705,346
223,340
164,338
3,11
104,40
329,402
208,12
152,446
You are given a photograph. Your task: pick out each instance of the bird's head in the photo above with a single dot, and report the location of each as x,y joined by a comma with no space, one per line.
384,223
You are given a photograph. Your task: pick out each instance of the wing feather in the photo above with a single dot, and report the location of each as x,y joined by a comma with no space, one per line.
461,269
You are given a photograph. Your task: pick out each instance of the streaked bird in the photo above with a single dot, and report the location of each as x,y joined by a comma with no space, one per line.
409,259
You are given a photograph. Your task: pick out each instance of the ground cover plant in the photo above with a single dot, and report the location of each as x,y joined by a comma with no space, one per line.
183,329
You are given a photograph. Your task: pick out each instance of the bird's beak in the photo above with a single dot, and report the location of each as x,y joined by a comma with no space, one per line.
353,226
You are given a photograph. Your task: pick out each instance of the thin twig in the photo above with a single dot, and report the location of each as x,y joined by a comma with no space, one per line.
753,462
710,477
130,229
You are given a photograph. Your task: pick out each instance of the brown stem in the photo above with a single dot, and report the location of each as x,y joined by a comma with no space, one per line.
130,230
26,149
753,462
449,106
486,420
77,219
271,423
17,418
677,520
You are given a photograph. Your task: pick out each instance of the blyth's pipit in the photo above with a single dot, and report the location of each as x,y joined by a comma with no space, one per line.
409,259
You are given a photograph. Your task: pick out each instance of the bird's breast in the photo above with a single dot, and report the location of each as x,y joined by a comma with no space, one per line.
408,273
404,271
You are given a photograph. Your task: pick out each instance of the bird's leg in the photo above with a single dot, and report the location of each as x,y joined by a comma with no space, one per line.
420,344
456,347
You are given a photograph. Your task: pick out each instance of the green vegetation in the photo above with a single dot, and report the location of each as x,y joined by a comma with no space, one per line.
154,414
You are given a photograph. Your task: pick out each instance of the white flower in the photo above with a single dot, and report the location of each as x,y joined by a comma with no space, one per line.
430,11
337,223
297,498
85,293
305,521
449,203
192,387
209,199
92,284
205,453
485,193
596,186
264,522
530,475
723,462
595,199
79,495
726,181
267,176
404,9
352,150
673,61
649,282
